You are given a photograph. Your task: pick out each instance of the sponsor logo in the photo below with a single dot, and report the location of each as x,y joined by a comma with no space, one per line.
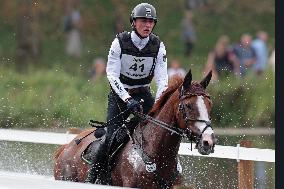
117,85
138,59
135,74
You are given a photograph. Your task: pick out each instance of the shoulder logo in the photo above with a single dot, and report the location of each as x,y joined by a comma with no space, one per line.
164,58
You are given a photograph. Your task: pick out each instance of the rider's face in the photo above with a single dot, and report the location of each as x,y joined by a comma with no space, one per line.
144,26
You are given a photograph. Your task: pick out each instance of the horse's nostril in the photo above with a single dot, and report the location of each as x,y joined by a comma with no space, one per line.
205,143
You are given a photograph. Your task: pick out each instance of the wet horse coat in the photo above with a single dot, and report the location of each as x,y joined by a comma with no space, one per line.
150,160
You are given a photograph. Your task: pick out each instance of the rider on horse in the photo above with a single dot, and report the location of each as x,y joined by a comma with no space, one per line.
134,59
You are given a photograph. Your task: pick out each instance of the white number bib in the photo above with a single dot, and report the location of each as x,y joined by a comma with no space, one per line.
136,67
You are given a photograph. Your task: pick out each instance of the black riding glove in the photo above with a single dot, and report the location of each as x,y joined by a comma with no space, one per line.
133,105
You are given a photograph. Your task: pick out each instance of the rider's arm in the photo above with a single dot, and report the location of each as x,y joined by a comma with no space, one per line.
113,70
160,73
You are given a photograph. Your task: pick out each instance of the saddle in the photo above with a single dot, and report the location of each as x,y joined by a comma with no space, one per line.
118,140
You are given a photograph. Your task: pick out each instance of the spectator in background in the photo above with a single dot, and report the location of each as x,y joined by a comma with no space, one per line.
119,22
261,50
272,60
221,60
194,4
188,33
98,69
175,68
245,53
72,27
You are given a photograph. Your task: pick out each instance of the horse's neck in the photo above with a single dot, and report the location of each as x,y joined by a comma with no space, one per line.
159,142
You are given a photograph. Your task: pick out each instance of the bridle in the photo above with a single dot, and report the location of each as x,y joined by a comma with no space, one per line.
182,132
187,118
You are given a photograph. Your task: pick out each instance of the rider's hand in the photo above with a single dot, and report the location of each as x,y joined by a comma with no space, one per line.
133,105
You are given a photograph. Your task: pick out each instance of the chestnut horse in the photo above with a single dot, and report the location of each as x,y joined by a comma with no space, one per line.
150,158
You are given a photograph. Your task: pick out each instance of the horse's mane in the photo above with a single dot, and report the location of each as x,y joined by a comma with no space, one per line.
174,83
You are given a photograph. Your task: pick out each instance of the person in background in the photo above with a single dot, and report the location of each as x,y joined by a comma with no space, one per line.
175,68
72,27
134,59
261,50
119,23
245,53
188,33
272,60
98,69
194,4
221,60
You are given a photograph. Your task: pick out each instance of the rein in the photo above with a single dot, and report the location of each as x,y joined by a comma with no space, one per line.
179,131
150,164
99,124
162,124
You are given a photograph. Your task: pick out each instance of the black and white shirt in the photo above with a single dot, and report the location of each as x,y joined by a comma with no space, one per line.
132,70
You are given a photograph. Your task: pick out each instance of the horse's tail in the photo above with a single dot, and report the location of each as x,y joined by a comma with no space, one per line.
58,151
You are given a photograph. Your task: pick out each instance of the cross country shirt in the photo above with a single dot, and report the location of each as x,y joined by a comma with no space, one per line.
133,62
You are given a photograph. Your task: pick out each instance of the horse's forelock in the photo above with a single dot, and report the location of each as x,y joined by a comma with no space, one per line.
196,88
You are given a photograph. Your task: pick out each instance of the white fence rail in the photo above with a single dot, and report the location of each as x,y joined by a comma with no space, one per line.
229,152
10,180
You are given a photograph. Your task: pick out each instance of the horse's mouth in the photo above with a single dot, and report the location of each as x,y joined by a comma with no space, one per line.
206,144
205,149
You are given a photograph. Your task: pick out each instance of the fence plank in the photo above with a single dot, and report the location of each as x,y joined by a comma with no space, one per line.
10,180
229,152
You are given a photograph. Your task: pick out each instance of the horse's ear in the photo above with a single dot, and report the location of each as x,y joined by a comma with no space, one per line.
206,80
187,80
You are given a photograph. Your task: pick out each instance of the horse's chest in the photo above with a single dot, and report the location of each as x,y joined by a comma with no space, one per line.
146,171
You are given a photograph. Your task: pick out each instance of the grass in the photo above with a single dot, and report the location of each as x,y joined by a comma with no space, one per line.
61,99
57,99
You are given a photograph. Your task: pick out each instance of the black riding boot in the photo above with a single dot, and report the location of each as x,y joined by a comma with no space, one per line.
97,170
92,174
